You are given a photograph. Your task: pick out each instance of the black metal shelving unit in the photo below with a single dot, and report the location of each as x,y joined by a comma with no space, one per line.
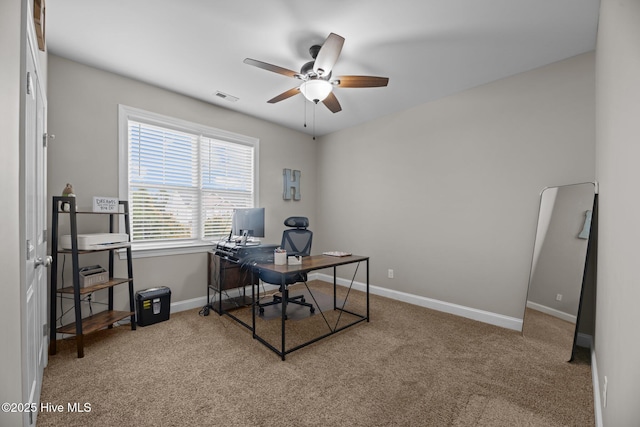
104,319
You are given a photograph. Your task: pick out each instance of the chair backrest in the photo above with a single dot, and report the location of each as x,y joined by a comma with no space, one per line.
297,240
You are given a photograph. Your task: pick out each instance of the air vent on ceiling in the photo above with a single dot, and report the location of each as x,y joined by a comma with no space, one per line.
226,96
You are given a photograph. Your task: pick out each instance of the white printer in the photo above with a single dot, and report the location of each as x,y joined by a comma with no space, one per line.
95,241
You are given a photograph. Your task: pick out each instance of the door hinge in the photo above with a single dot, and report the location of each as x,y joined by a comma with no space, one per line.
46,137
30,249
29,84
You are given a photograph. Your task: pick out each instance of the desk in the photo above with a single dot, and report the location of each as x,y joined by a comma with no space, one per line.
226,270
309,264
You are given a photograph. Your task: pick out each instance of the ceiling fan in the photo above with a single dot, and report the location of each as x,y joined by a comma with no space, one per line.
317,84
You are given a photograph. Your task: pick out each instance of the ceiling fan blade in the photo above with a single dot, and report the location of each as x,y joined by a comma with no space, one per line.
328,54
271,67
284,95
332,103
361,81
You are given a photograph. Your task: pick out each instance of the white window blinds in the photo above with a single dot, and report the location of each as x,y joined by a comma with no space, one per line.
183,186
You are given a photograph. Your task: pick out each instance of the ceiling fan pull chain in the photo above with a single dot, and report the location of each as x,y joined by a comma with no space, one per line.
314,121
305,112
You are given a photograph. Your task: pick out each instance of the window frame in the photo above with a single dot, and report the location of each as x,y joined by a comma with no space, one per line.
127,113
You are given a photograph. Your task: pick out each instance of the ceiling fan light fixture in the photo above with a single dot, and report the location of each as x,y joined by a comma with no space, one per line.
316,90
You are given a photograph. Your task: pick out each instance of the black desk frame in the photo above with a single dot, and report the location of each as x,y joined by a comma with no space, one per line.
219,267
309,264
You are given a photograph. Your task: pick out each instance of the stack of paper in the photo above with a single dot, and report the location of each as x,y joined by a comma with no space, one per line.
336,253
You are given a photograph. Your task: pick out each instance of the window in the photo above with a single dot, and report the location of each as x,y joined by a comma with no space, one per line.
182,180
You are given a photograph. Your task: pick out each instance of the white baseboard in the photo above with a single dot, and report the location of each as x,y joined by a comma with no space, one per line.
188,304
552,312
596,389
446,307
584,340
200,302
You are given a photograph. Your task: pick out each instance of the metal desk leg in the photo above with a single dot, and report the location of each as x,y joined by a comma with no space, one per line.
367,290
285,296
253,305
219,290
334,288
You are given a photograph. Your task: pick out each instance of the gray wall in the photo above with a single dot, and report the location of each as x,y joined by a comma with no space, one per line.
83,111
618,151
446,194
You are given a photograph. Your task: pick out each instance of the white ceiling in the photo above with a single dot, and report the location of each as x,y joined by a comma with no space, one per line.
429,49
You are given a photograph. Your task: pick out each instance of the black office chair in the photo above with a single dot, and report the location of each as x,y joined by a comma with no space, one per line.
296,241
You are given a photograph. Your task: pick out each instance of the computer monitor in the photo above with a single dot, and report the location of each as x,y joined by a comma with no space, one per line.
248,222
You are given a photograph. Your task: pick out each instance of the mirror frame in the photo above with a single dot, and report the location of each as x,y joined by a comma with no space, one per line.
590,252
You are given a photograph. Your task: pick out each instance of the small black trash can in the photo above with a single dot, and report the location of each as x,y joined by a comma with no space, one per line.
152,305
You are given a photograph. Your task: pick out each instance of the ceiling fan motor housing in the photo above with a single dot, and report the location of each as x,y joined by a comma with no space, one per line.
313,50
307,68
307,71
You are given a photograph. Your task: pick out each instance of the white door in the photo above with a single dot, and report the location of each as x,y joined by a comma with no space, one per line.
35,289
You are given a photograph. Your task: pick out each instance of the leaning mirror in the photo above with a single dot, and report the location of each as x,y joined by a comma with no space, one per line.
558,264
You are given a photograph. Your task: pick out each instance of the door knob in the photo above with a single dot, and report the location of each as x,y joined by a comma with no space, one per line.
46,261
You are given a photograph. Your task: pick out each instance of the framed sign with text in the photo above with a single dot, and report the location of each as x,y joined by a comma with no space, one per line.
106,204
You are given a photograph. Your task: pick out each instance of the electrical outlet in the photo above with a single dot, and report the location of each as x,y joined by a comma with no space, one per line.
604,392
390,274
558,297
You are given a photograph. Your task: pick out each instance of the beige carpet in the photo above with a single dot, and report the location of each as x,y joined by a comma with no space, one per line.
409,366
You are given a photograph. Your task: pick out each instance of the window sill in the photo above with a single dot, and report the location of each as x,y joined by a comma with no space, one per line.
146,250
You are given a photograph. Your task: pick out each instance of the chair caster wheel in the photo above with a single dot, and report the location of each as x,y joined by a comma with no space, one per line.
261,310
313,310
302,299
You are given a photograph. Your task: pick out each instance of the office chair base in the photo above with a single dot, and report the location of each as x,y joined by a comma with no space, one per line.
277,299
